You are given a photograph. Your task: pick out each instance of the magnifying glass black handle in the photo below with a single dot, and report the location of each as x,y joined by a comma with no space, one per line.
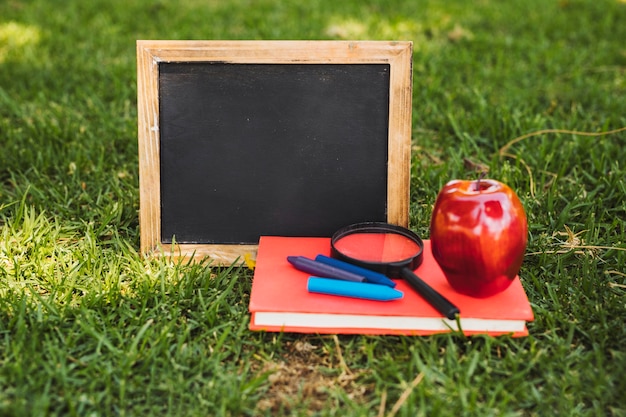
435,299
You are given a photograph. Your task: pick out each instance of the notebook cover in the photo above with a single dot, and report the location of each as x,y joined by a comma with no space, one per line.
279,300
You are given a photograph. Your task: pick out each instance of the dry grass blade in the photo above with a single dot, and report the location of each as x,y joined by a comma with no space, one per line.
342,362
504,150
531,185
405,395
576,244
383,404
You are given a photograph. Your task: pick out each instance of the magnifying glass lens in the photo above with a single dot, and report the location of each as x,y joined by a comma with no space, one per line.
391,250
378,247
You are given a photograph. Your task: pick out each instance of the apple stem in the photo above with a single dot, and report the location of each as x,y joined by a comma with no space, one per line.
480,177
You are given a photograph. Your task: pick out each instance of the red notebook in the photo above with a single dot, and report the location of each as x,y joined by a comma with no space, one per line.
279,300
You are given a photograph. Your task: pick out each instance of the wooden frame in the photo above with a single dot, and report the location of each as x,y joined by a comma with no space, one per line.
398,55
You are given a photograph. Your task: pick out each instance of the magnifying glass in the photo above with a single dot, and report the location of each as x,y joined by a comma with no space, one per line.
391,250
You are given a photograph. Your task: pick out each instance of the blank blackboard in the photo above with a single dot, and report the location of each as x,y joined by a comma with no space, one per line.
244,139
305,143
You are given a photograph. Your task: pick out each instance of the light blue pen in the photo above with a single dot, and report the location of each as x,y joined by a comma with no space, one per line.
353,289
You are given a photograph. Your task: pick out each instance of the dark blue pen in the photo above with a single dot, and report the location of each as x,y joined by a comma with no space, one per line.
322,270
370,276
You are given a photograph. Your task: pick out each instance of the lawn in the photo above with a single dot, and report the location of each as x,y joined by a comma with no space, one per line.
534,92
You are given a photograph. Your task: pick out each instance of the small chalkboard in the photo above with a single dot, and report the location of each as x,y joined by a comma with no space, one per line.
239,139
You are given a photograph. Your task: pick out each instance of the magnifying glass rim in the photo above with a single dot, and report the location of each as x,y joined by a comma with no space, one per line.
390,268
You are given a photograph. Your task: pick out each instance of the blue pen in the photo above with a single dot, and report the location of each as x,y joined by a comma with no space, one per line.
353,289
370,276
322,270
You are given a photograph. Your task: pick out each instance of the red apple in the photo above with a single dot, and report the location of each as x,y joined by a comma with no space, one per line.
478,234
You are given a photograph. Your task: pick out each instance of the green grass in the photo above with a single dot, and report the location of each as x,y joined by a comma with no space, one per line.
88,327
